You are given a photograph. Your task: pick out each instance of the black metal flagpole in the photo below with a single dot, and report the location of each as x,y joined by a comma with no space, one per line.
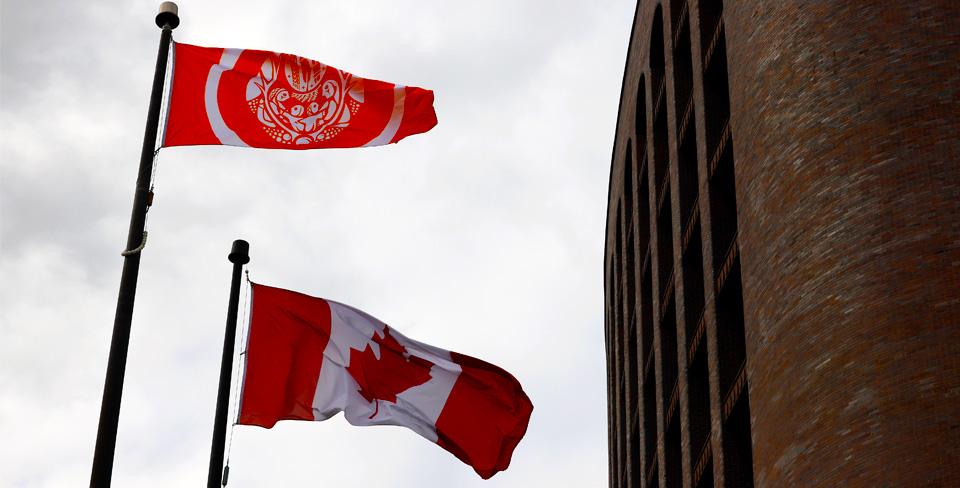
102,471
239,255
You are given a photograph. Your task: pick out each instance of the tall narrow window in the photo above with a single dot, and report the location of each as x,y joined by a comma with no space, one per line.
673,467
698,385
727,281
647,411
687,172
693,296
640,137
649,376
632,387
737,448
618,346
631,231
661,156
716,97
683,74
678,10
711,12
656,57
668,353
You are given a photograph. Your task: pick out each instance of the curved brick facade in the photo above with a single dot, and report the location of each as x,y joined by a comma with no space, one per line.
782,262
847,135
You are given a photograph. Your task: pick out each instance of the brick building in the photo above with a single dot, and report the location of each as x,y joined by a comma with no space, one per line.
782,261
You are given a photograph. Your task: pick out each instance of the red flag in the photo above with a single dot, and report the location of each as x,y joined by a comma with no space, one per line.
309,358
244,97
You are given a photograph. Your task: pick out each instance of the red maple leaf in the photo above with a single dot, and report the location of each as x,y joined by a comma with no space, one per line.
394,372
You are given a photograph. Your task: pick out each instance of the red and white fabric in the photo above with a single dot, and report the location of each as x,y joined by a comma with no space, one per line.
251,98
309,358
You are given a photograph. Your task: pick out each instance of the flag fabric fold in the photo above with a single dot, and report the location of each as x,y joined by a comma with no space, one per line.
251,98
309,358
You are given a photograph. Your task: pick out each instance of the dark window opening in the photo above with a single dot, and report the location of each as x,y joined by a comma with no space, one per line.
646,315
617,340
723,209
656,56
710,13
737,447
628,184
698,387
636,467
633,402
693,296
687,172
682,74
661,151
650,418
630,272
706,478
640,120
668,352
643,214
665,244
678,10
672,467
731,348
716,95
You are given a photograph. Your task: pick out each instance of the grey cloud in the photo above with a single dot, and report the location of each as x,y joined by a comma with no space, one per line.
482,236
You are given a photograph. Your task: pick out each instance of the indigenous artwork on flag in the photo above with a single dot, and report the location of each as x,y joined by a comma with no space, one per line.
309,358
251,98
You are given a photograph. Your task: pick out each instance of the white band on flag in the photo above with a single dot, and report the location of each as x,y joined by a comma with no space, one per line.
224,134
399,98
417,408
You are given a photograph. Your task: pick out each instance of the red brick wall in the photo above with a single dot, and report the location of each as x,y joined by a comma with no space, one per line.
846,124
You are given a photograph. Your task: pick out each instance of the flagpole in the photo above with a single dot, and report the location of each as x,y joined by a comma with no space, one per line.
102,472
239,255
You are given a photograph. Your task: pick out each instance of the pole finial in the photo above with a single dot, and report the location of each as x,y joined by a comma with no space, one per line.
168,16
240,253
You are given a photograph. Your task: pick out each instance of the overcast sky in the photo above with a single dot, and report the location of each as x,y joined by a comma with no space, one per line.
483,236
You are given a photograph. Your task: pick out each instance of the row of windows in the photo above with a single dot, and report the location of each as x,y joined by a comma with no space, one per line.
646,235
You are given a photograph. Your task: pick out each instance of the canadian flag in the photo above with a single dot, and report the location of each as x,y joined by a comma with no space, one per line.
251,98
309,358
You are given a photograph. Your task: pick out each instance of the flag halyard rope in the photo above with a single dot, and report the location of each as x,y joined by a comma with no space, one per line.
236,394
143,244
165,102
146,217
